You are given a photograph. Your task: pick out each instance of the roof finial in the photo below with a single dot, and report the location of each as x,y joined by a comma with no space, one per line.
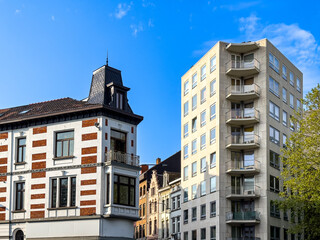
107,58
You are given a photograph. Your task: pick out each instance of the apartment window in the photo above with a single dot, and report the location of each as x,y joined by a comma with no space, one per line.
203,118
274,135
274,111
212,87
173,203
150,227
203,188
194,124
194,80
274,210
155,206
155,227
285,234
298,85
185,173
185,195
63,194
186,108
274,184
291,101
213,160
298,105
150,207
194,191
284,71
273,62
194,213
203,141
178,224
21,150
64,144
291,78
285,215
291,124
203,95
186,130
186,87
194,169
213,209
194,234
19,196
178,201
144,209
284,140
213,63
194,146
213,111
274,233
203,72
203,234
284,95
203,211
194,102
212,135
213,233
284,118
203,164
124,190
274,160
213,184
173,225
185,236
185,151
274,86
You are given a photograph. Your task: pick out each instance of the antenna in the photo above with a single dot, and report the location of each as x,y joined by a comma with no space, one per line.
107,57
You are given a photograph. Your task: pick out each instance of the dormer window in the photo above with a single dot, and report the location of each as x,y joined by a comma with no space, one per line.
119,100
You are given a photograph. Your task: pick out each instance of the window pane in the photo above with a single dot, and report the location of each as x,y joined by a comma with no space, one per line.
124,195
63,192
59,149
73,192
54,193
66,148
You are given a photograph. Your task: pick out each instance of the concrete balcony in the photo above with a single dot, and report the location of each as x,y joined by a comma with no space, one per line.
120,157
242,68
242,47
242,142
241,168
251,217
246,116
243,93
237,193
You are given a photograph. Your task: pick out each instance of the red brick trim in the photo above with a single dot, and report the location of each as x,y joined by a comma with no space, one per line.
89,136
106,122
88,202
4,135
132,130
37,214
89,159
38,186
39,143
87,211
2,209
88,182
88,170
89,123
3,148
2,216
3,189
38,196
38,175
37,206
88,150
3,178
39,165
3,199
3,160
106,136
39,156
87,192
3,169
39,130
131,143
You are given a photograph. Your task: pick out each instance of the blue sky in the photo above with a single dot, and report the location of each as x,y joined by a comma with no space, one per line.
48,50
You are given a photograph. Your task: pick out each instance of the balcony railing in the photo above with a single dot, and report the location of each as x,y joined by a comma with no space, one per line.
242,166
243,216
243,89
242,115
242,140
241,192
242,68
126,158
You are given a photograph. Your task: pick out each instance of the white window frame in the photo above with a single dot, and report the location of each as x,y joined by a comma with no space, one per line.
213,87
213,160
185,151
186,87
186,130
212,137
194,169
284,118
194,124
185,173
298,85
213,109
291,79
186,108
194,80
194,102
273,86
213,181
284,73
203,95
291,98
274,62
274,135
194,191
203,141
273,110
203,72
194,146
213,63
203,164
284,96
203,118
203,189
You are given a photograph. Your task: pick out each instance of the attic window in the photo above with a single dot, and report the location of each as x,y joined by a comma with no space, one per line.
24,111
119,100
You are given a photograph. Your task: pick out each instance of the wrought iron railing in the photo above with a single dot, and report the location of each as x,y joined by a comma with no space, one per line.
126,158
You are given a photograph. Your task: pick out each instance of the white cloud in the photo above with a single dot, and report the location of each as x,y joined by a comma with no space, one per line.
122,10
53,18
240,6
150,23
17,11
136,28
146,3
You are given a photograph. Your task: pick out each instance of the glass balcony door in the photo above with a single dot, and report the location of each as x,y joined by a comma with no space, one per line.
242,185
235,61
118,141
248,60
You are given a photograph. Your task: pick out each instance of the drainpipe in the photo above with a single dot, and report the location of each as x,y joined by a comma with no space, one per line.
10,179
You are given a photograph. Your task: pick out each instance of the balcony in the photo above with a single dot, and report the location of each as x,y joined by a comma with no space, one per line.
120,157
242,47
245,116
242,68
242,93
242,142
242,168
250,217
237,193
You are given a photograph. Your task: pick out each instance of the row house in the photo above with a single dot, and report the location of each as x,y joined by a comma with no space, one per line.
69,168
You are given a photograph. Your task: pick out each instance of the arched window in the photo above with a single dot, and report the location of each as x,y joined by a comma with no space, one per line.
19,235
144,190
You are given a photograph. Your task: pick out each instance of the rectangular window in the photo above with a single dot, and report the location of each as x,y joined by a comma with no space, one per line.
186,87
212,135
212,160
124,190
291,124
203,211
186,130
203,188
285,234
274,111
274,135
194,146
291,78
19,196
274,86
284,140
213,63
194,169
284,95
194,102
284,71
274,210
213,184
298,105
21,150
185,236
203,141
194,80
64,144
203,95
274,233
203,164
203,72
194,214
194,234
185,151
273,62
285,118
274,160
119,100
203,233
213,233
203,118
298,85
291,101
213,209
63,194
274,184
185,173
186,108
118,141
194,124
173,203
213,111
178,201
194,191
185,195
212,87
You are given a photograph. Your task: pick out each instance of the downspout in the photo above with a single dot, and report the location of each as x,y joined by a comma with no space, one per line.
10,179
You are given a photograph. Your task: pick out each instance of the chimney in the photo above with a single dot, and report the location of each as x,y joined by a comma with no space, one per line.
158,160
144,168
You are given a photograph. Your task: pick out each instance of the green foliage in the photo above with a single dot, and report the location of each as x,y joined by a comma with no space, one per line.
301,171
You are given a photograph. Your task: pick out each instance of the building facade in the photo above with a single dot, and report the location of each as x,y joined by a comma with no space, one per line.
175,209
69,168
236,106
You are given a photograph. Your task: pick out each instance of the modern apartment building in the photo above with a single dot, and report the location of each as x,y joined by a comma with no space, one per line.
236,103
69,169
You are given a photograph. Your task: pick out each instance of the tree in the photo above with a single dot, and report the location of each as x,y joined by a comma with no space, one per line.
301,169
